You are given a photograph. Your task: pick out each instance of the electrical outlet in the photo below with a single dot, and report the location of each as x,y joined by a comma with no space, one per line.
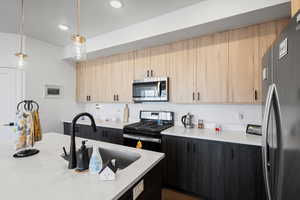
241,116
138,189
98,107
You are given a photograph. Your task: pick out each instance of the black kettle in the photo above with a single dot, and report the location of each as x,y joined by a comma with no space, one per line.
83,158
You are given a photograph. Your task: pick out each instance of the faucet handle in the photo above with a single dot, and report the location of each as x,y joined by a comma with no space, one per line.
65,152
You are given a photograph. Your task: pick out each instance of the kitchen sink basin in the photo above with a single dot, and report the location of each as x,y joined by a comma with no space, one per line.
123,158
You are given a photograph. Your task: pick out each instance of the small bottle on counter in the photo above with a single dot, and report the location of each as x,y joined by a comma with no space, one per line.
218,128
96,162
200,124
126,114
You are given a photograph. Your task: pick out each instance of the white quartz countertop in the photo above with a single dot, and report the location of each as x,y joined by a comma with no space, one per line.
105,124
239,137
46,176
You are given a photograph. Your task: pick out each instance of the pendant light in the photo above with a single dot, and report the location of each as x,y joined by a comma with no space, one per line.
79,48
21,57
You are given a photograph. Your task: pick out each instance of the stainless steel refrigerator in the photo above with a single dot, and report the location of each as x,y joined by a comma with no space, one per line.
281,115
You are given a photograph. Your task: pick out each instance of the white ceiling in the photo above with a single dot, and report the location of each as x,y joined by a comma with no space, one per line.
97,17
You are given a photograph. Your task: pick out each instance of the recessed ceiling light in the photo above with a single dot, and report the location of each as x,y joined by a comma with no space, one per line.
63,27
116,4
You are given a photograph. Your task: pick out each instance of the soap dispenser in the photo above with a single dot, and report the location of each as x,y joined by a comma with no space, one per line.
83,157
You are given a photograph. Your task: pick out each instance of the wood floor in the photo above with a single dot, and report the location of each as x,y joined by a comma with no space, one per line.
168,194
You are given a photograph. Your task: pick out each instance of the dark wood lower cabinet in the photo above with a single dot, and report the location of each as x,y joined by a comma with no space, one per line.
152,185
103,134
213,170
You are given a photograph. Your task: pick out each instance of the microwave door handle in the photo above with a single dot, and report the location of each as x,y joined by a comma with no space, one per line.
158,87
265,146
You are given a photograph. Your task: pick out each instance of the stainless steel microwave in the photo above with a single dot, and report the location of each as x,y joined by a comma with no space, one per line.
151,90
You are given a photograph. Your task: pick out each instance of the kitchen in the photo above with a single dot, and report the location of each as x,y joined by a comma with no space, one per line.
167,104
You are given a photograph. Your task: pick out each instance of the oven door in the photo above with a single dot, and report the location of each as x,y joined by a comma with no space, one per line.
148,143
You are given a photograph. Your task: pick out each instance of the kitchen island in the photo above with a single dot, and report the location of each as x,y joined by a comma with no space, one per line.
46,175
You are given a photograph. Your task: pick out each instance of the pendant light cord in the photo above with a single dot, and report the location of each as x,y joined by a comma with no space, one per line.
22,26
78,16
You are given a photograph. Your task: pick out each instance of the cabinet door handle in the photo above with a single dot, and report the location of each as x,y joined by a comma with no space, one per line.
194,148
193,96
255,95
188,147
198,96
151,73
147,73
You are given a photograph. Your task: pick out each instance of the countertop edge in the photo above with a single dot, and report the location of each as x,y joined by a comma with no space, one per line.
113,125
120,126
211,139
252,141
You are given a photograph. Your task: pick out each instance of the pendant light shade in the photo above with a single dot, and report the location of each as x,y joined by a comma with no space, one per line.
21,60
79,48
21,57
79,41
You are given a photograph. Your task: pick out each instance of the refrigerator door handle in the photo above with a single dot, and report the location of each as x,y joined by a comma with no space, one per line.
265,139
277,111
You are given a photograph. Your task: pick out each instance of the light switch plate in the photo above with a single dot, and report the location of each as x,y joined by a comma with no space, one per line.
138,189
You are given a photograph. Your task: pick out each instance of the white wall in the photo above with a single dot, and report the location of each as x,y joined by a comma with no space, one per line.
226,115
44,67
9,46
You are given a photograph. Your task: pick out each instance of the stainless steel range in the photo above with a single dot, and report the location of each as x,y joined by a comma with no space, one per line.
148,130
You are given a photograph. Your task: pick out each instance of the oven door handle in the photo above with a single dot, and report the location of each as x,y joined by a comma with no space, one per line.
141,138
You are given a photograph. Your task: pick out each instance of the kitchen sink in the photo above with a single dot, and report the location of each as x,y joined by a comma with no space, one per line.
123,158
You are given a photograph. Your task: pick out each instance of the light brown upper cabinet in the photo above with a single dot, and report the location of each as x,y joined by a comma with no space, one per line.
181,72
142,64
121,74
80,76
243,60
158,61
151,62
217,68
101,80
212,68
85,86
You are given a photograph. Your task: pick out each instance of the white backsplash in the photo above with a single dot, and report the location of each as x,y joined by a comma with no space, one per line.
230,117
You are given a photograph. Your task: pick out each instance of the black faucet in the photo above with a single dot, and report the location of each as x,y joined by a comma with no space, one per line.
72,156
